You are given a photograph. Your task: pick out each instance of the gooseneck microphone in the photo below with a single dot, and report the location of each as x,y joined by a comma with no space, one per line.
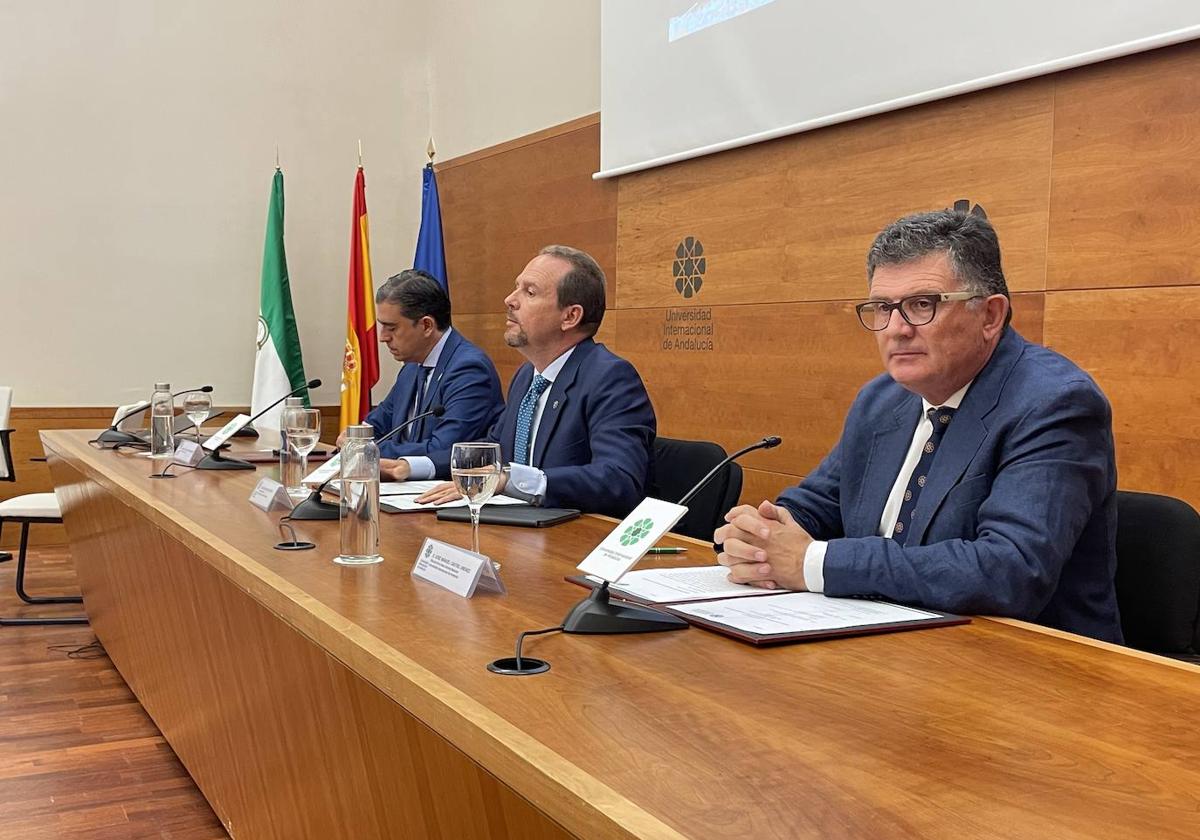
766,443
114,435
214,461
315,383
314,508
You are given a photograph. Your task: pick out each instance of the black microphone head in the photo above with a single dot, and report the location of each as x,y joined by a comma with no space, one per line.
438,410
315,383
207,389
771,442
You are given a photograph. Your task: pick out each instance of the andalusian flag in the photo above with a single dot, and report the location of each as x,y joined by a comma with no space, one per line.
360,364
278,365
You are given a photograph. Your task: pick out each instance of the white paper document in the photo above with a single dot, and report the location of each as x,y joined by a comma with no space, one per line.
408,504
406,488
692,583
799,612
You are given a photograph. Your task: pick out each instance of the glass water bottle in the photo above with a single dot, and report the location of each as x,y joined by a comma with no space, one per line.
162,422
359,507
289,464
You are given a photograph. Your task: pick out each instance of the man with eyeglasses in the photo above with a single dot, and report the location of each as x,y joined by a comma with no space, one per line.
976,475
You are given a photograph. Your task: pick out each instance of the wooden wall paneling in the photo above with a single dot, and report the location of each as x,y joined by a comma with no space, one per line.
790,369
497,211
1126,173
758,485
791,220
1140,346
251,706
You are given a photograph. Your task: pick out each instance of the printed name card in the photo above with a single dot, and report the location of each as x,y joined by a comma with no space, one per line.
625,545
323,473
456,569
188,452
227,431
269,493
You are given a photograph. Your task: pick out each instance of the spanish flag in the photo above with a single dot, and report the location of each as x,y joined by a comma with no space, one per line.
360,363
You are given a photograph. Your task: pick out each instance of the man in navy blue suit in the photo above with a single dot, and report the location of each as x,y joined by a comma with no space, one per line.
976,475
578,429
440,368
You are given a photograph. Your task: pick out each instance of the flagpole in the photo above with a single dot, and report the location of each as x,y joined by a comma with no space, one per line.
430,150
360,153
276,157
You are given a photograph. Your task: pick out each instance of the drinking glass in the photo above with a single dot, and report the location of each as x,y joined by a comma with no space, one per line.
303,427
475,468
196,406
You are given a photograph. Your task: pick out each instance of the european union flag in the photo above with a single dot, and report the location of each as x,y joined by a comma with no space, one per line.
431,252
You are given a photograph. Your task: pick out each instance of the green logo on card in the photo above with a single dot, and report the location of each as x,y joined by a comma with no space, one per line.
637,531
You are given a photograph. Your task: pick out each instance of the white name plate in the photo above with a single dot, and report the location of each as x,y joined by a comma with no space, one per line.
269,493
625,544
456,569
188,453
323,473
227,431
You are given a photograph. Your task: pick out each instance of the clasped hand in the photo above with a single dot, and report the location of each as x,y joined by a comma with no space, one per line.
763,547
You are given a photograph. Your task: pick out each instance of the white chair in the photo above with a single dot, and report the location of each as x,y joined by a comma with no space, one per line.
28,509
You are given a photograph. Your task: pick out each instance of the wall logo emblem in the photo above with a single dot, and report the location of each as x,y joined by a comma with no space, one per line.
689,266
963,205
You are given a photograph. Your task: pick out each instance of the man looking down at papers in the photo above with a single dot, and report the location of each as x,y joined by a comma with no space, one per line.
578,429
440,368
976,475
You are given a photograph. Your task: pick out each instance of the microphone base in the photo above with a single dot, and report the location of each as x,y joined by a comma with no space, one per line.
214,461
313,508
596,614
116,436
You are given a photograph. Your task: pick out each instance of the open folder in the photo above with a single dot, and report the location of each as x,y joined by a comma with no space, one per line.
703,596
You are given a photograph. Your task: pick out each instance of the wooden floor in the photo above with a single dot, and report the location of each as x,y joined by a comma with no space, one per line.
79,757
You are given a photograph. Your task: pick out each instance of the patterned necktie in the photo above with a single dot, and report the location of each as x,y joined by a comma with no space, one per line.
940,417
525,417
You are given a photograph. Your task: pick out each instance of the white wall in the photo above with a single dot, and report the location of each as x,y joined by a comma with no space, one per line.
137,143
505,68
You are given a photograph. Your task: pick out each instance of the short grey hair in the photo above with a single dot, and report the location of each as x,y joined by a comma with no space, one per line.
967,239
582,285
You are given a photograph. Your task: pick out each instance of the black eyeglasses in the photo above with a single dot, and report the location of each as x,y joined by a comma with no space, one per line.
916,310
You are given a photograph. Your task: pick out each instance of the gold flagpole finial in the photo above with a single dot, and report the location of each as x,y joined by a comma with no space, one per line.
360,153
430,150
276,155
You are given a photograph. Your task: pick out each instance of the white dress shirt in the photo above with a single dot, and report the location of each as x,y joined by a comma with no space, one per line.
814,555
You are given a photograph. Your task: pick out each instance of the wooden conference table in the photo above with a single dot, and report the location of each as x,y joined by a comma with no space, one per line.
310,700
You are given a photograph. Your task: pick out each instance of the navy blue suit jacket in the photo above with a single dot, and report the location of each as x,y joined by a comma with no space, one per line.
1019,515
464,382
595,442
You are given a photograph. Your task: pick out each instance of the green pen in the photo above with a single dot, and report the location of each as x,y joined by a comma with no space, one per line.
666,550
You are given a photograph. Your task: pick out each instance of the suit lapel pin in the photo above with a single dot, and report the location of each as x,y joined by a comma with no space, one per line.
555,404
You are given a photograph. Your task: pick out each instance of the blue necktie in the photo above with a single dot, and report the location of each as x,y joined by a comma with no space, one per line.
525,417
940,417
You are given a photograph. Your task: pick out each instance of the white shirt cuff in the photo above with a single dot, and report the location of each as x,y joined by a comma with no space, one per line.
420,468
530,481
814,566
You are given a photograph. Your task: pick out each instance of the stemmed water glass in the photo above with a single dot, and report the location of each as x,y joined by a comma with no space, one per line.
303,427
196,405
475,468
